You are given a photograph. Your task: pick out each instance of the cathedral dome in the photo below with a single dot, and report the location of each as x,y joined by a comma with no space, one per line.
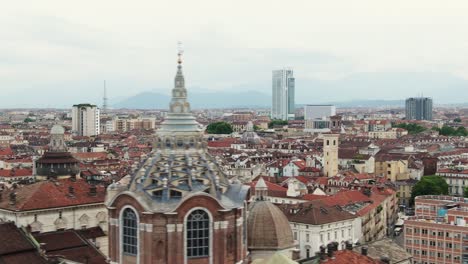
268,228
57,130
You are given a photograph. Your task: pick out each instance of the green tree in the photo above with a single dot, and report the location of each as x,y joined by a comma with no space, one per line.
411,127
457,120
256,128
465,192
219,128
429,185
28,120
277,123
450,131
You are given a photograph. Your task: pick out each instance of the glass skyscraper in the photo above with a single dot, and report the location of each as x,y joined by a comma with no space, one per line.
283,105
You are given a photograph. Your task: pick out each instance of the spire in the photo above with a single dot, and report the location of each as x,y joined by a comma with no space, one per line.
179,117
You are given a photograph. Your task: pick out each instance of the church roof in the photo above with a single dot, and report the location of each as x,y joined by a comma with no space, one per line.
180,166
268,227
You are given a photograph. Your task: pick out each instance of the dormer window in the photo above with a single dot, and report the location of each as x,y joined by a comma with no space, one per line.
175,194
158,194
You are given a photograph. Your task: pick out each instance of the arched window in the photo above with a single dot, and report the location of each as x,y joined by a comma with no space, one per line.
198,234
129,232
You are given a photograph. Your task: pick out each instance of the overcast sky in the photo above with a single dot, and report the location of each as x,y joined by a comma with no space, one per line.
56,51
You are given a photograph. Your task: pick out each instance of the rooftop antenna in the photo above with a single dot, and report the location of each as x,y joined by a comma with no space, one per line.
104,99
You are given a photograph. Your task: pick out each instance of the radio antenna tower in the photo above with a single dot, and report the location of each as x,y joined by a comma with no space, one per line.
104,99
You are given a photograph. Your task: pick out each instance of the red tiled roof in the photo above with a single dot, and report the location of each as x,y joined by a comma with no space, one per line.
346,197
6,152
41,195
15,247
15,173
351,257
71,246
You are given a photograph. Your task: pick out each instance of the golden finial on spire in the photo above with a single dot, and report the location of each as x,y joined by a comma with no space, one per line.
180,51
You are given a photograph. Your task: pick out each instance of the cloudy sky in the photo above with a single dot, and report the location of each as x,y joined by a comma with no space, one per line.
59,52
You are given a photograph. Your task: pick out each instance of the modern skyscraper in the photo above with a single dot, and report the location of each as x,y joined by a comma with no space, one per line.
419,108
85,120
283,106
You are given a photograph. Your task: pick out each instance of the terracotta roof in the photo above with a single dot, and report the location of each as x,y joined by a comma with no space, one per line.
6,152
315,213
345,198
351,257
15,246
46,194
15,173
71,246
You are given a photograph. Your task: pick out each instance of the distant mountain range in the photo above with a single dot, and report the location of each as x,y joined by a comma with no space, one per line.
356,90
153,100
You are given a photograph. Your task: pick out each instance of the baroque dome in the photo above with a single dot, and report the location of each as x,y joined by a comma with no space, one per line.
57,130
268,227
179,165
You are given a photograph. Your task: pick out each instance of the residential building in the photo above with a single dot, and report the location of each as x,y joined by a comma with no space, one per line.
315,224
456,178
283,86
313,112
418,108
438,232
85,120
51,206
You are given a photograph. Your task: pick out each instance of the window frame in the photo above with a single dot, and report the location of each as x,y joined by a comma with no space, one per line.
210,235
121,232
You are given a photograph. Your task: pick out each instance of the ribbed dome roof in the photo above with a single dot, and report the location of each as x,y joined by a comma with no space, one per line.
57,129
268,227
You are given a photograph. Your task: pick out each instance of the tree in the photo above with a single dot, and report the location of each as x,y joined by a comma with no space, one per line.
457,120
256,128
429,185
219,128
411,127
465,192
277,123
28,120
450,131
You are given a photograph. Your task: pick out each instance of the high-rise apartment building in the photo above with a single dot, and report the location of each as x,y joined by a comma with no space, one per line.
419,108
85,120
283,105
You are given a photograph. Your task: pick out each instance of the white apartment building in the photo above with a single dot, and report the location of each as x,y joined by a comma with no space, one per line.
312,112
315,224
85,120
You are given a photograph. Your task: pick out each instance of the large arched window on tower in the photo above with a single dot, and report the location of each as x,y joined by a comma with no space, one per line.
129,232
198,234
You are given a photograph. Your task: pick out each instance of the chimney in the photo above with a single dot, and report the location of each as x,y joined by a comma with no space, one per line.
385,259
92,190
322,253
73,177
349,245
71,191
12,198
330,250
364,251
